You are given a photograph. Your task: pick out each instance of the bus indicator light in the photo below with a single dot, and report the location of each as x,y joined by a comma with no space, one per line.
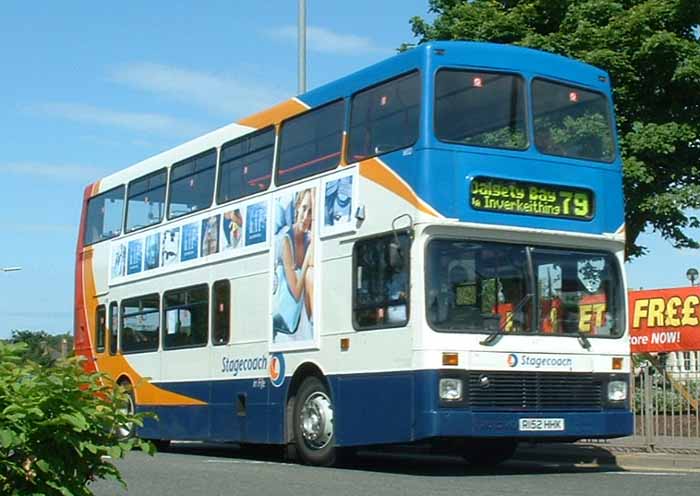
617,363
451,359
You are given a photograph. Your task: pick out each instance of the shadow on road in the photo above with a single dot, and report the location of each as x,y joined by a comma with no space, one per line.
417,463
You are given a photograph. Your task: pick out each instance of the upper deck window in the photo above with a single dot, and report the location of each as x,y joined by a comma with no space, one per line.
246,165
480,109
310,143
146,201
192,184
104,216
572,122
384,118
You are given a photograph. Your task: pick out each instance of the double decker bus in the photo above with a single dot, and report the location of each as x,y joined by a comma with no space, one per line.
426,251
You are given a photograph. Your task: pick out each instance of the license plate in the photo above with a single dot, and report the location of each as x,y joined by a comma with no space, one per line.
541,424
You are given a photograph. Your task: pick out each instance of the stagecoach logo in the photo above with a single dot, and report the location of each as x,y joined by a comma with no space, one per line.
277,369
539,361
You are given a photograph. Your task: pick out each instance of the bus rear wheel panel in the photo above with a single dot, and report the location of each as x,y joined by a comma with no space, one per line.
313,423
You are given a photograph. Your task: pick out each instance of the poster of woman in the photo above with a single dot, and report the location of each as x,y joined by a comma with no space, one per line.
293,284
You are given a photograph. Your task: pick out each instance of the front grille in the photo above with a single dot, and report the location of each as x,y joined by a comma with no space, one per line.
533,390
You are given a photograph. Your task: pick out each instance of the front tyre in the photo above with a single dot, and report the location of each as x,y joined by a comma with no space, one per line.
313,420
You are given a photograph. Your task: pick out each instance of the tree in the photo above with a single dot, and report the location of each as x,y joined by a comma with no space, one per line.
59,425
41,347
651,50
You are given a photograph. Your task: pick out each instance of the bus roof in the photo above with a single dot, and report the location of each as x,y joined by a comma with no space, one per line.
427,57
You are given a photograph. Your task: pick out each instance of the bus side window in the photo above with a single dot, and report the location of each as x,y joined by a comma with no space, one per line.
221,309
100,329
384,118
113,327
381,282
310,143
186,317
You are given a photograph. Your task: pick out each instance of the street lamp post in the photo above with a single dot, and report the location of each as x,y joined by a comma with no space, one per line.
301,28
692,275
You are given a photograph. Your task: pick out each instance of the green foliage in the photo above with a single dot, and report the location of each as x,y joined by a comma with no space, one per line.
56,424
41,347
652,52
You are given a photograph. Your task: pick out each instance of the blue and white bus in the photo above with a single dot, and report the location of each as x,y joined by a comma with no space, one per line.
429,250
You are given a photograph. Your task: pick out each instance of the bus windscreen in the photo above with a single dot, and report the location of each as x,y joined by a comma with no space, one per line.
499,287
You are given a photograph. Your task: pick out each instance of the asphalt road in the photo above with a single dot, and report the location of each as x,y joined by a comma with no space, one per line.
196,470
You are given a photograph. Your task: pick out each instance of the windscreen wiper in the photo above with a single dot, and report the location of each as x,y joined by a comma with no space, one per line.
583,341
493,337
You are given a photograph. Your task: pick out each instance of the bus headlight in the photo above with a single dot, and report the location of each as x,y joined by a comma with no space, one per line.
617,390
451,389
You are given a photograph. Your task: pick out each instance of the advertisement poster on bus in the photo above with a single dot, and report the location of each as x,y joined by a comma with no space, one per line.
152,260
664,320
232,230
210,235
118,260
339,198
190,242
135,256
170,247
256,223
292,300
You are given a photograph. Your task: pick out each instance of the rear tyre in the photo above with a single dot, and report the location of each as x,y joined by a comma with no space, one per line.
313,421
489,452
127,430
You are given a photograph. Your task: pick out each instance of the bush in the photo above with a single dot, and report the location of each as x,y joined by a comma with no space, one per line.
56,425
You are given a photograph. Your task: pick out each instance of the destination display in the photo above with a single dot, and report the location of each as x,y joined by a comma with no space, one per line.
518,197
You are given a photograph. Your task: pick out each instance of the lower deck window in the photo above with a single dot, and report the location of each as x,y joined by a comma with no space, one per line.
101,330
221,308
113,327
186,317
381,282
140,324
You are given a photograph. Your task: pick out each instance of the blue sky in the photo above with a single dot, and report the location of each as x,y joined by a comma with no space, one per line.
88,88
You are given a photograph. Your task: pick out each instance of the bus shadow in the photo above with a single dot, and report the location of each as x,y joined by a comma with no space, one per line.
409,462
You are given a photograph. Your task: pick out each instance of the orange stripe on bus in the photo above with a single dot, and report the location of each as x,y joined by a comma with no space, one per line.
377,171
275,115
145,393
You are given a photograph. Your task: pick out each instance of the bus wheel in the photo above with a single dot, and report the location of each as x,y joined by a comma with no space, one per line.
127,430
314,430
490,452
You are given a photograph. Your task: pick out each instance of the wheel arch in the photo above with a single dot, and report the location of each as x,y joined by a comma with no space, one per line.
305,370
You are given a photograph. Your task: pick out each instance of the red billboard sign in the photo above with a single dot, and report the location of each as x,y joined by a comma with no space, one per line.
665,319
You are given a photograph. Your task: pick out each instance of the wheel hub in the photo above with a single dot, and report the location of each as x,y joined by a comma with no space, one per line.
317,420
